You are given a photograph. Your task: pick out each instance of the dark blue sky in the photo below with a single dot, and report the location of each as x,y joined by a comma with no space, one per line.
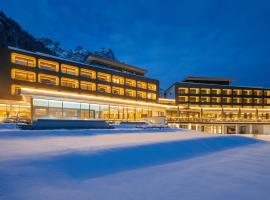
172,39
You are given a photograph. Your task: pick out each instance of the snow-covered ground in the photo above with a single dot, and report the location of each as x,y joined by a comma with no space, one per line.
132,164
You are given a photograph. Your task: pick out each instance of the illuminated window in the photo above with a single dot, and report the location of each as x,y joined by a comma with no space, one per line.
130,93
141,84
237,100
205,99
87,73
104,88
104,77
141,94
152,87
226,92
23,75
48,65
23,60
247,92
88,86
215,100
237,92
247,100
258,100
117,90
118,79
226,100
183,99
267,100
194,90
183,90
48,79
258,92
130,82
152,96
215,91
267,92
205,91
68,69
71,83
15,89
193,99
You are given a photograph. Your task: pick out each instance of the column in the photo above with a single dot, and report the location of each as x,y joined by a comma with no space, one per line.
222,129
237,128
250,129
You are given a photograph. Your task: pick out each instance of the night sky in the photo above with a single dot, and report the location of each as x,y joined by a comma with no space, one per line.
172,39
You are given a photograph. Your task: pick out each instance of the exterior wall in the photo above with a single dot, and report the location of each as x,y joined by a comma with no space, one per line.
5,92
264,99
13,105
198,111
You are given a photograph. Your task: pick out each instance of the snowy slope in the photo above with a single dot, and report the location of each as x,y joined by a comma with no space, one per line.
121,165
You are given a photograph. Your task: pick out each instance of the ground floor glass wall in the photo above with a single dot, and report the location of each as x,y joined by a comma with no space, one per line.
14,111
51,109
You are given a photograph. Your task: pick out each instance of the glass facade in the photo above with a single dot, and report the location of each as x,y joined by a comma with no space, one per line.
51,109
14,111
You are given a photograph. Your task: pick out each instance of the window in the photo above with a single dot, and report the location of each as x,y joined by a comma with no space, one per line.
237,100
48,65
71,83
152,87
118,80
267,100
215,100
104,88
118,90
205,99
130,82
141,85
68,69
237,92
88,73
194,91
23,75
205,91
23,60
152,96
215,91
247,100
88,86
247,92
183,99
15,89
183,90
266,92
193,99
130,93
104,77
226,100
141,94
258,92
226,92
48,79
258,101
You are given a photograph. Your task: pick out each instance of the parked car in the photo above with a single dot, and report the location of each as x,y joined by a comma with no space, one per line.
23,121
9,120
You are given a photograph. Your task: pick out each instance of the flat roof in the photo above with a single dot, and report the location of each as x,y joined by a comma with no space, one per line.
194,78
113,63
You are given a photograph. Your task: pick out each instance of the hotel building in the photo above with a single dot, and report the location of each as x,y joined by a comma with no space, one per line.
213,105
36,85
40,86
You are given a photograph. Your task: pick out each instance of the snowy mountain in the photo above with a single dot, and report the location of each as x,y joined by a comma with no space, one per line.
11,34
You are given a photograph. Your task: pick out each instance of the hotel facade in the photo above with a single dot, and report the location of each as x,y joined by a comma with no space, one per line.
39,86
